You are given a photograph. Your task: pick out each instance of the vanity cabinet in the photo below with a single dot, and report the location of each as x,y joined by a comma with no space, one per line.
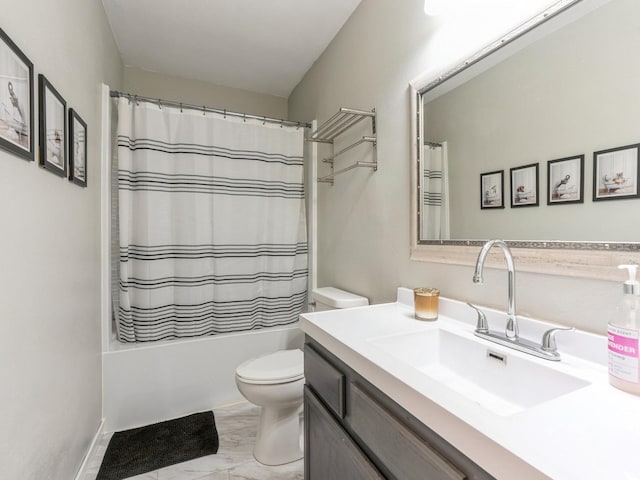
354,431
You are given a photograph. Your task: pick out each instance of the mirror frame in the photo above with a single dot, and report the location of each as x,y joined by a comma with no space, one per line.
574,259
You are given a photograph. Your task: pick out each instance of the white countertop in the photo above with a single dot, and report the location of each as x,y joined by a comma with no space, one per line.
590,433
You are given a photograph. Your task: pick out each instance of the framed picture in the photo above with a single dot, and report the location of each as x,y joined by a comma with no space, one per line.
565,180
524,186
77,149
53,132
492,190
16,99
616,173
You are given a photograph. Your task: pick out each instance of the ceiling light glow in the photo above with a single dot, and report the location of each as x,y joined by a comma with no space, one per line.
438,8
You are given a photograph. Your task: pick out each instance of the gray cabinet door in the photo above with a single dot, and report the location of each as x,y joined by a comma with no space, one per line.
329,452
404,454
327,381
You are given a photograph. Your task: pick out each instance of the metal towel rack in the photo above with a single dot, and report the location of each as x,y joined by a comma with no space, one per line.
337,125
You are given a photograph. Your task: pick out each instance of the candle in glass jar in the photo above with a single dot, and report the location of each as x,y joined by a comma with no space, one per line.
426,303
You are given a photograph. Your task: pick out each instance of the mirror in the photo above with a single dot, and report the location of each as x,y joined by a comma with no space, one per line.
536,142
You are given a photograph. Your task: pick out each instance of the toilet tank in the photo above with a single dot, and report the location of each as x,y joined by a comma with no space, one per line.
330,298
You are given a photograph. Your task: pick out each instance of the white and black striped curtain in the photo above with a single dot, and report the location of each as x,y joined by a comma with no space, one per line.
212,223
435,202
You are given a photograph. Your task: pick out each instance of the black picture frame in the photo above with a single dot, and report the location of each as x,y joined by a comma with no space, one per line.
77,149
53,128
616,173
524,190
565,180
16,100
492,190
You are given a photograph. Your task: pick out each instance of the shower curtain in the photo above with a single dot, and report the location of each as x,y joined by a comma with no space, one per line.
212,223
435,203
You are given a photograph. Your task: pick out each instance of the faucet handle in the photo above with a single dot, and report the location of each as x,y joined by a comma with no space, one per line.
482,325
549,338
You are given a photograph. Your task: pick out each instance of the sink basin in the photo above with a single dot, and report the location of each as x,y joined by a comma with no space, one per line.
488,375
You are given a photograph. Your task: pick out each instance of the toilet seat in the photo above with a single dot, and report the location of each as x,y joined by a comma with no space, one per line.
279,367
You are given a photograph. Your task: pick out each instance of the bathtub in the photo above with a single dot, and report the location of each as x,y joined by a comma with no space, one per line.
152,382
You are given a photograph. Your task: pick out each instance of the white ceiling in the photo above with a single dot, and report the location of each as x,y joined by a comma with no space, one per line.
263,46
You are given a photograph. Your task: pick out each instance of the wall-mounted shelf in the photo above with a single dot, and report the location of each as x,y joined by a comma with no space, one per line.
337,125
359,142
329,178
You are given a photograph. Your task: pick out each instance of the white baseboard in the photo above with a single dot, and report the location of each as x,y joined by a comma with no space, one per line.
90,452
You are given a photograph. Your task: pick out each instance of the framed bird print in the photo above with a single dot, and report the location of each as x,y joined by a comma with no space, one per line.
524,186
77,149
492,190
53,131
616,173
16,99
565,180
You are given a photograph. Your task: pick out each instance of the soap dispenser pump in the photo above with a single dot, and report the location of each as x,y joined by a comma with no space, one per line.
623,336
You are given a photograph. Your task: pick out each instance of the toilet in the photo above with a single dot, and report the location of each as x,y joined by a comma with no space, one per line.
275,383
331,298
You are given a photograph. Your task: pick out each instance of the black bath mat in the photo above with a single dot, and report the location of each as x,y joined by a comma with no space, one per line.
149,448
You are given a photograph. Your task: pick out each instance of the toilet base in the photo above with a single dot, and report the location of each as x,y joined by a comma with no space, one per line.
278,439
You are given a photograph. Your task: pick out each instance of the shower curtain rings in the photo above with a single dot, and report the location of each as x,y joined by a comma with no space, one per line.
136,99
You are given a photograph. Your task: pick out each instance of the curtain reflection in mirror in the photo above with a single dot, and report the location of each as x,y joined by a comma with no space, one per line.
435,212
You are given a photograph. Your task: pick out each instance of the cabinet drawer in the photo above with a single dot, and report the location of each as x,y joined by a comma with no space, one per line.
327,381
402,452
329,451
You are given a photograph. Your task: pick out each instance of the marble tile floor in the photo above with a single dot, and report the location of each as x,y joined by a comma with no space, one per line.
236,425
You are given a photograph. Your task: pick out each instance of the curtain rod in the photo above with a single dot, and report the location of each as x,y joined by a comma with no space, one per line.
202,108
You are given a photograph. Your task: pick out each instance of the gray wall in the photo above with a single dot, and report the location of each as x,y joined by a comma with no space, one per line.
571,93
364,219
50,352
195,92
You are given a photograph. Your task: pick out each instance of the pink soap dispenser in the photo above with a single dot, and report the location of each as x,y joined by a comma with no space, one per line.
624,351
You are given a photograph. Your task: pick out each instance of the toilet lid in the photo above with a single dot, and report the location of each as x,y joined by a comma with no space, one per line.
285,365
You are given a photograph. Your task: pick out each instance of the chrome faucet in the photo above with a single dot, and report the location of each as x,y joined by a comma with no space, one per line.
511,337
512,320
